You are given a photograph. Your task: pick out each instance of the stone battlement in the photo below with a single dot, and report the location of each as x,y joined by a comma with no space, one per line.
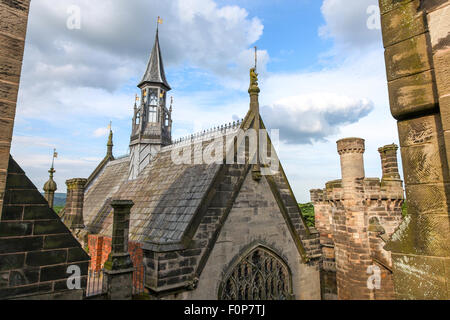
373,189
354,216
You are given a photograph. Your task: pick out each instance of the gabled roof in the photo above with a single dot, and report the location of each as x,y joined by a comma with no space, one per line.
36,248
155,67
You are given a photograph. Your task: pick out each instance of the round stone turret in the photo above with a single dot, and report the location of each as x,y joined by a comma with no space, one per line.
351,151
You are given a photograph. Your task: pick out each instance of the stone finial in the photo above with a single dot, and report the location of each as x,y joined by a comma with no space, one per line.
50,187
389,162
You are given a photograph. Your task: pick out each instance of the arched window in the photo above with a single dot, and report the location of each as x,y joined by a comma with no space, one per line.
153,97
138,118
259,275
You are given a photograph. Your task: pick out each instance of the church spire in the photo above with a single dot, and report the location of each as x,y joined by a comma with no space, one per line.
152,120
154,73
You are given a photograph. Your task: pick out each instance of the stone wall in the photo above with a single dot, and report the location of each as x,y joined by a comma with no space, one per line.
416,38
13,26
354,217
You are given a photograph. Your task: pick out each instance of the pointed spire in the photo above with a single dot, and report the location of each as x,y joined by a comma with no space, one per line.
110,144
155,67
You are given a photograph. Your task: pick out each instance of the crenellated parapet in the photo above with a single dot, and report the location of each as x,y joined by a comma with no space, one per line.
354,216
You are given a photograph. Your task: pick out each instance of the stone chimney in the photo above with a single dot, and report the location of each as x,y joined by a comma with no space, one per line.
389,163
119,266
351,151
74,204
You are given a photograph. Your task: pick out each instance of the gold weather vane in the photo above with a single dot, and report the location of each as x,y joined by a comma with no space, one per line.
158,22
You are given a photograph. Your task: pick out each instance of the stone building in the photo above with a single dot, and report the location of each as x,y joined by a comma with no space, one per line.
355,217
416,38
36,248
203,230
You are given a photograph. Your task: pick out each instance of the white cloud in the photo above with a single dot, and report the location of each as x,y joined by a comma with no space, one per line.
346,23
312,117
101,132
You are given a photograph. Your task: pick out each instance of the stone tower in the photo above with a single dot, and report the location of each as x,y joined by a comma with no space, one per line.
152,121
355,216
50,188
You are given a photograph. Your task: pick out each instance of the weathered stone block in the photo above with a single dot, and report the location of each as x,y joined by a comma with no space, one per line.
389,5
43,258
8,91
19,5
428,198
441,60
412,94
19,291
429,158
418,277
38,213
15,229
402,23
11,261
422,235
12,22
23,276
7,109
11,48
418,130
12,245
407,57
60,241
49,227
444,106
25,197
439,25
77,255
18,181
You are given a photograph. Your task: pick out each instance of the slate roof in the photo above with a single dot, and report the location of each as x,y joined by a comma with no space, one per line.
166,195
155,67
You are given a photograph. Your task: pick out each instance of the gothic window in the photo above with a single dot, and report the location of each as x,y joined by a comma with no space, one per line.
138,118
153,96
153,114
167,120
260,275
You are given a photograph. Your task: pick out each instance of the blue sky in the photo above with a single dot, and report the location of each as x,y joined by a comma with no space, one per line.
321,70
